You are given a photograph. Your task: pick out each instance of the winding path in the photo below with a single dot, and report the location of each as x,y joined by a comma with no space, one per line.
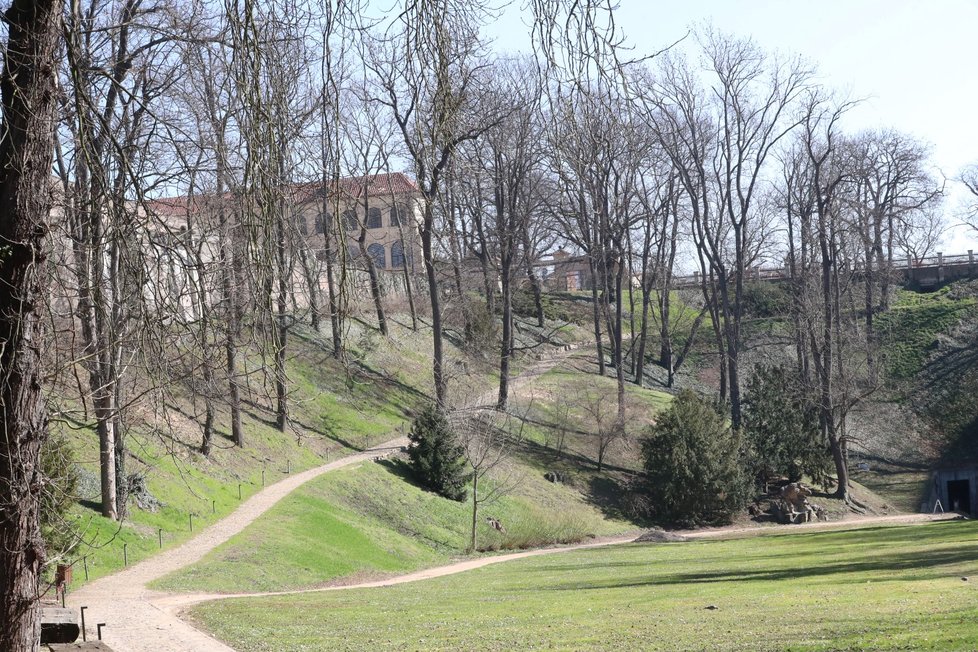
139,619
134,621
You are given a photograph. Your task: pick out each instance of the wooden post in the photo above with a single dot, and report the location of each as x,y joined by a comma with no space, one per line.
125,555
85,564
83,633
160,534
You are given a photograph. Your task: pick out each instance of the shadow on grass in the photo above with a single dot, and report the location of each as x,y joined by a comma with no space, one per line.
878,564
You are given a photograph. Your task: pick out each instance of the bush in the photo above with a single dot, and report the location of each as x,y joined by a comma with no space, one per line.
436,455
781,428
765,299
694,464
59,492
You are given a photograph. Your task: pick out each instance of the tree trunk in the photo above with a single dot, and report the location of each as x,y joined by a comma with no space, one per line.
436,334
506,347
26,152
596,315
534,281
372,275
281,326
475,511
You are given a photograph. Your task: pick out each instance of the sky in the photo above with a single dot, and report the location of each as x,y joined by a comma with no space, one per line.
912,62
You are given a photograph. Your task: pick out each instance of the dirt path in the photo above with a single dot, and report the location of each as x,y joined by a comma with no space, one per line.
142,620
133,621
173,603
137,618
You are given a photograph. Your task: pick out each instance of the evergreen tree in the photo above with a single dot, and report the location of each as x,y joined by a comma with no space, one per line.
781,427
436,455
694,464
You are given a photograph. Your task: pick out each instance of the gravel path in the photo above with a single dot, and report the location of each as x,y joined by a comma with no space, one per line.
173,603
139,619
134,623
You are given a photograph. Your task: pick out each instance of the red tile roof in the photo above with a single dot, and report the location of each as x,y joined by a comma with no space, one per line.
374,185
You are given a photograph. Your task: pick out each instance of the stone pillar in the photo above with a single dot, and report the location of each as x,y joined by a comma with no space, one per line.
940,267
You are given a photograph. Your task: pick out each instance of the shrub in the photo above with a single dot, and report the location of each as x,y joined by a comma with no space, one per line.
765,299
781,427
436,455
694,464
59,492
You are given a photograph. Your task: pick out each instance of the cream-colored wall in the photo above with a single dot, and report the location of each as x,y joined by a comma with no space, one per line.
385,235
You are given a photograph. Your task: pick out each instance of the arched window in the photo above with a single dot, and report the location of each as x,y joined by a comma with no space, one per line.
303,225
321,222
374,220
397,255
377,252
398,214
350,220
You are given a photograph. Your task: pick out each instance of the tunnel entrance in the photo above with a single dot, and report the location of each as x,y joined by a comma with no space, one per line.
959,496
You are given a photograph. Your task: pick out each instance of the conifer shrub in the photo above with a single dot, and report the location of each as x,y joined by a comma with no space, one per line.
781,428
436,455
694,464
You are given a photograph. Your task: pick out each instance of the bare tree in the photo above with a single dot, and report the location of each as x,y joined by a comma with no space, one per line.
719,140
117,67
488,440
428,72
969,178
509,158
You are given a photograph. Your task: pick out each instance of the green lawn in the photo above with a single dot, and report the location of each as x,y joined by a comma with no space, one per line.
881,588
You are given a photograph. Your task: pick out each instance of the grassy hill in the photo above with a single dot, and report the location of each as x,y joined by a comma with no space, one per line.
372,520
335,408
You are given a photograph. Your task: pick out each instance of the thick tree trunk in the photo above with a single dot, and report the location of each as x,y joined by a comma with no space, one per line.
435,299
26,152
506,346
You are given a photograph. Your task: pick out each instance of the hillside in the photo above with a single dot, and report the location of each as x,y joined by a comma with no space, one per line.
373,520
336,408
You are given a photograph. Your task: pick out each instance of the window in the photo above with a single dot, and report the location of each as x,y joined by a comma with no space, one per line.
374,220
398,214
303,225
378,254
321,222
397,253
350,220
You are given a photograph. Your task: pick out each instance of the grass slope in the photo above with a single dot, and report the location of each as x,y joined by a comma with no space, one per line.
883,588
372,520
334,409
